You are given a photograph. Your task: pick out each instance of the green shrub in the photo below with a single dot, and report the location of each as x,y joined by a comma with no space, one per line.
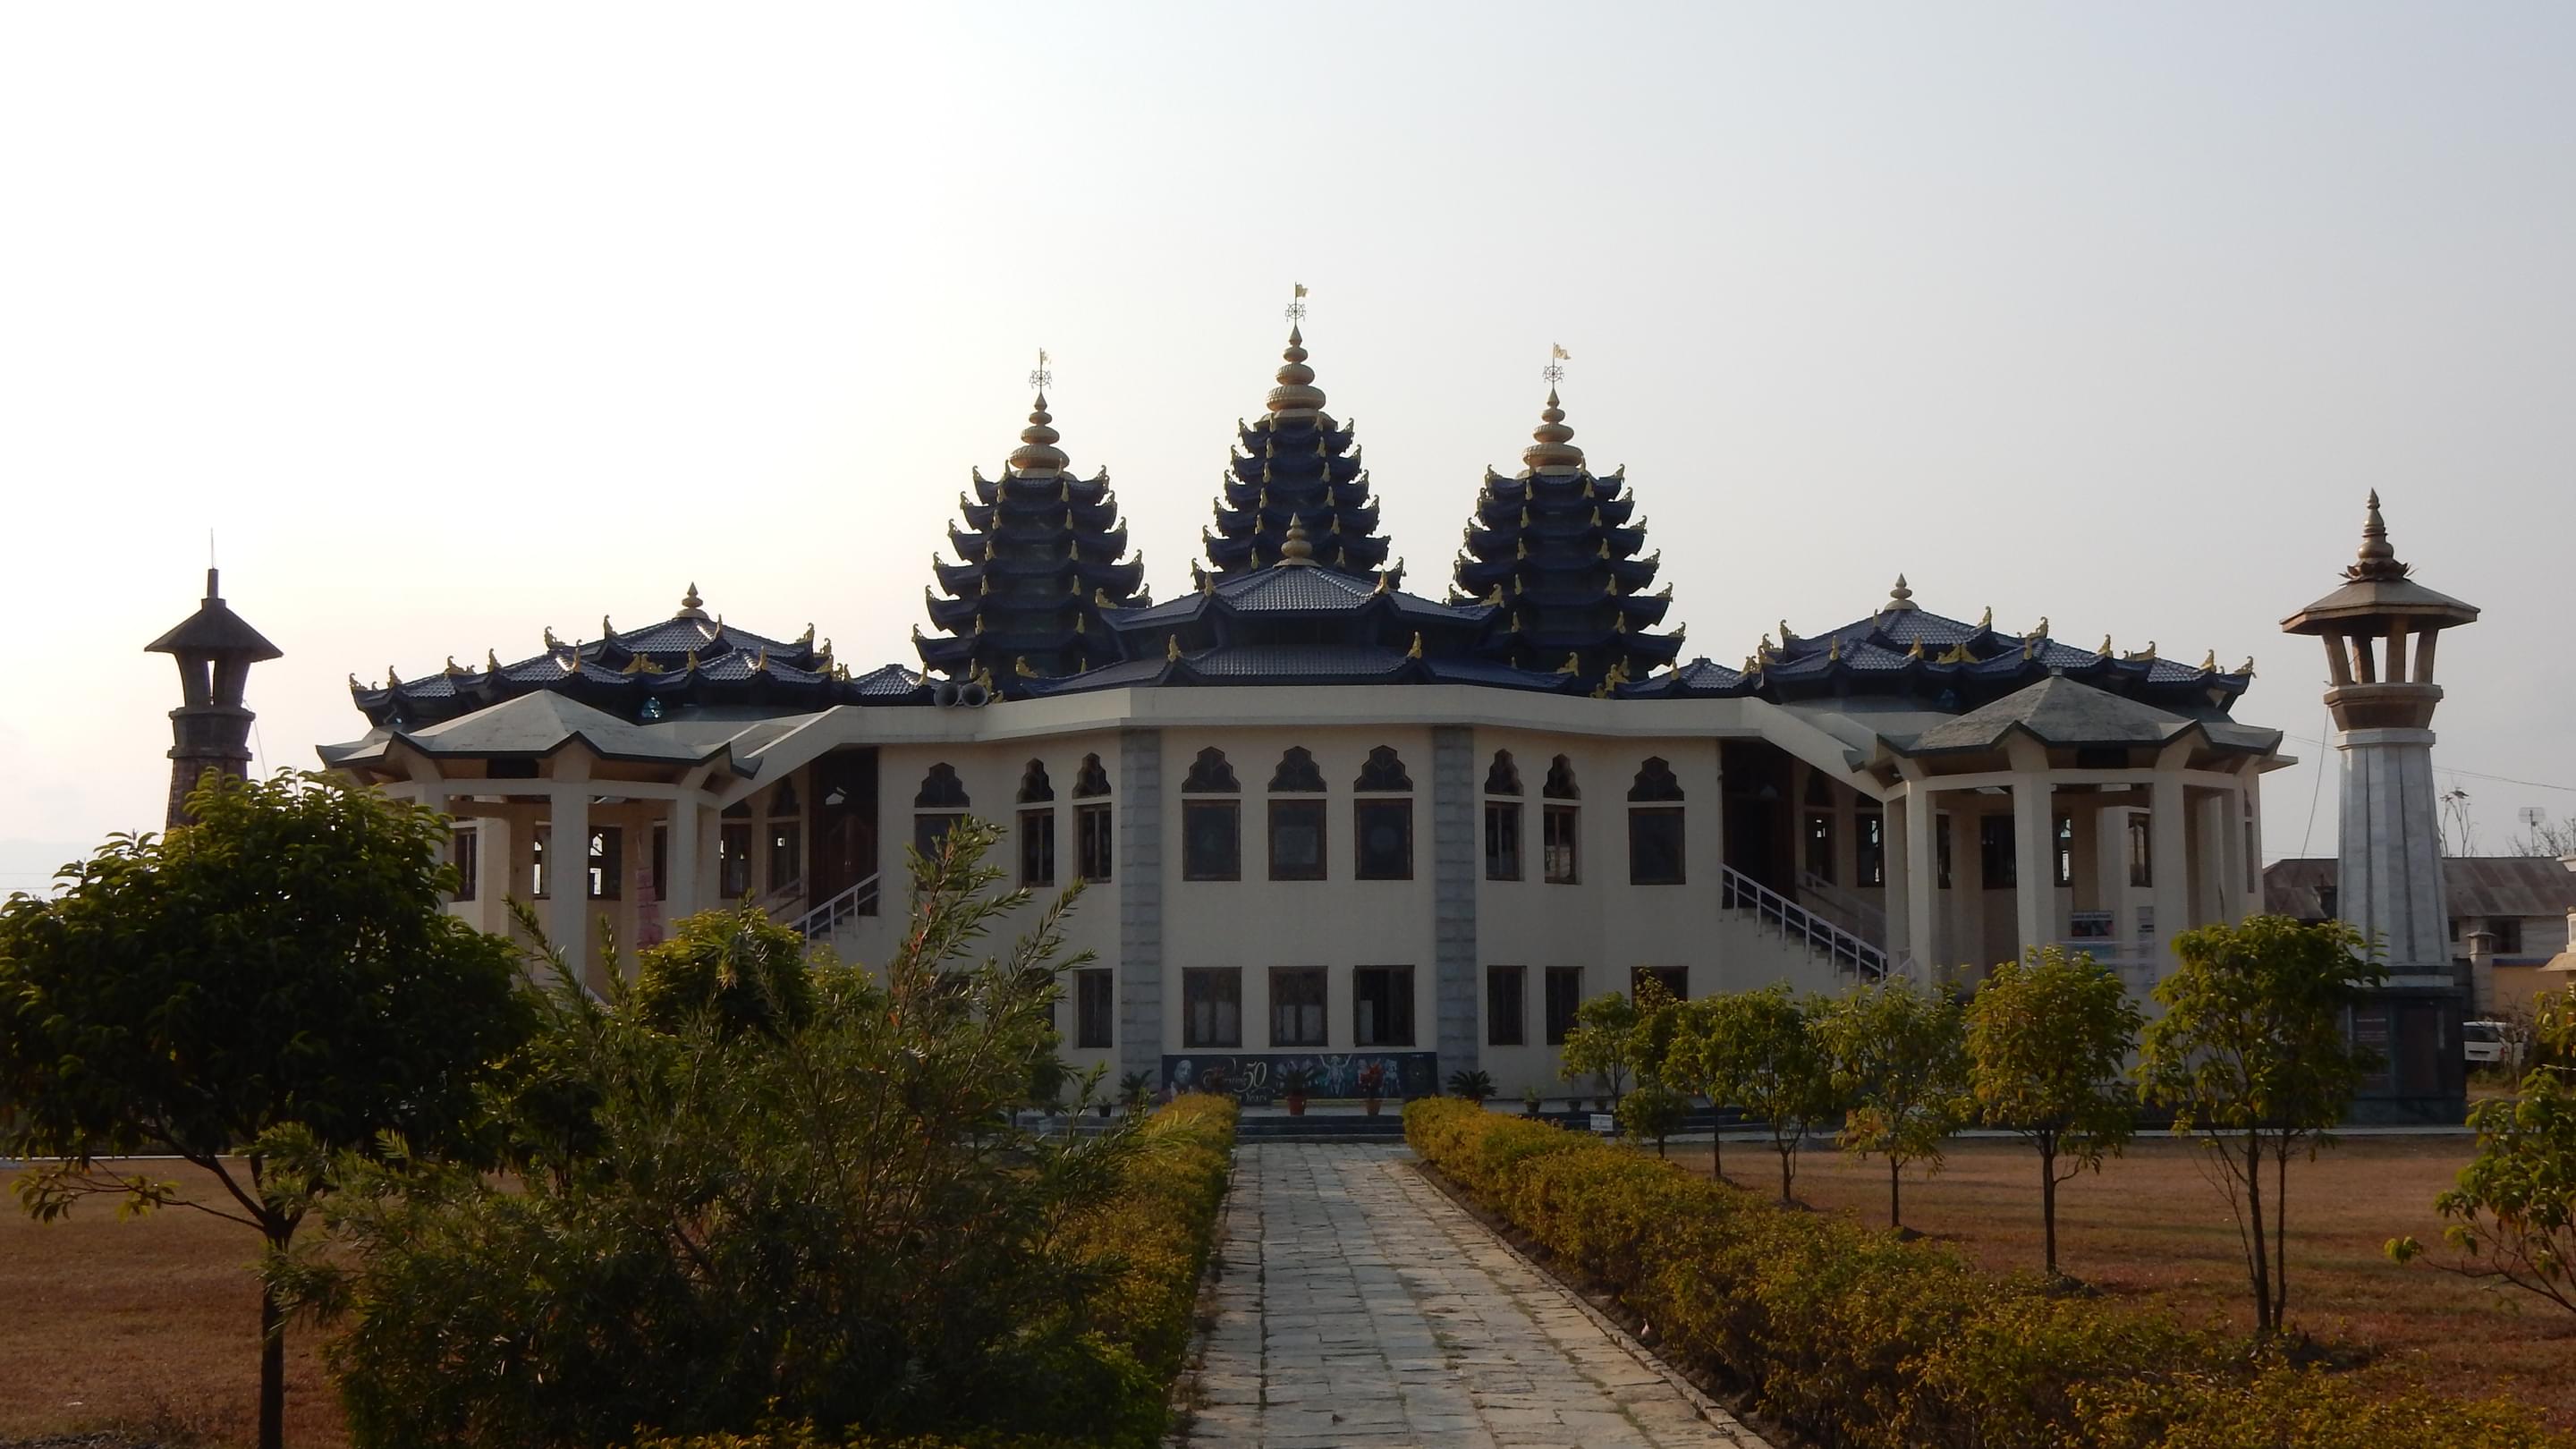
1863,1340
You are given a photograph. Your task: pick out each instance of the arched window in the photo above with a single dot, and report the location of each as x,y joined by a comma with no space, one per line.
1560,780
735,835
1502,777
1091,779
1384,772
1035,787
1561,826
1655,781
1297,773
1037,827
1655,829
941,790
1092,844
1503,819
1211,830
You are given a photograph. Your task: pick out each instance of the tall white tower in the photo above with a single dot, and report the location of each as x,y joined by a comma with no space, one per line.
2390,874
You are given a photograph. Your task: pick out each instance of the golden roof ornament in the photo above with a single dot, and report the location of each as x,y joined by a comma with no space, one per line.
1100,597
1382,579
760,665
1680,632
690,664
2246,668
391,679
1834,650
634,665
1495,599
1573,664
1037,456
1296,398
1986,620
826,650
2029,642
1899,598
2143,656
1296,550
2209,662
2105,651
1552,448
2377,559
1416,651
807,638
354,685
1917,651
1957,654
691,606
1020,667
2039,630
552,643
1785,635
1665,593
607,630
1172,647
454,668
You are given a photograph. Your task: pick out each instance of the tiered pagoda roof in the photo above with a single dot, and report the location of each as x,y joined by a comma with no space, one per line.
1297,622
1555,550
1042,563
690,660
1907,651
1296,462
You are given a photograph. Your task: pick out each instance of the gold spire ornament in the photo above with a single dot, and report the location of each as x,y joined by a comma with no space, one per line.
454,668
2105,651
607,630
1573,664
1834,650
1917,651
1899,598
1416,651
2246,668
693,607
1986,620
552,643
2209,662
1171,647
2144,656
1020,667
1957,654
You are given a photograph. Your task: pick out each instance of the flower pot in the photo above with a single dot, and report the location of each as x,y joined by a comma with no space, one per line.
1296,1104
1371,1103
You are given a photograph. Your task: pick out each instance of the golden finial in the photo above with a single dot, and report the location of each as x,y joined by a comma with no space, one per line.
760,665
1100,596
2038,630
1416,651
2246,668
2378,560
1957,654
1917,651
1573,664
1520,548
1899,598
2146,655
690,665
1986,620
1596,515
1785,635
1495,599
1172,646
1077,621
2209,662
573,664
691,606
607,630
807,638
1834,650
984,586
1764,649
1073,585
982,676
1382,578
2105,650
1680,632
552,643
979,623
454,668
1619,624
2029,642
391,679
1751,665
1296,550
1020,667
491,661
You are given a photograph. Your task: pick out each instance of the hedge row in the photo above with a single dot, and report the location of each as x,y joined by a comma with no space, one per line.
1151,1239
1860,1339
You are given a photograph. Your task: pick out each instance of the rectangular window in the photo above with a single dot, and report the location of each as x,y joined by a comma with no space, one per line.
1091,835
1506,1005
1296,840
1564,994
787,853
929,830
1385,829
1211,840
1995,856
1674,979
2065,850
607,858
1819,836
733,861
463,848
2508,934
1502,840
1655,847
540,887
2142,852
1212,1007
1093,1002
1297,1006
1869,849
1037,847
1382,1006
1560,825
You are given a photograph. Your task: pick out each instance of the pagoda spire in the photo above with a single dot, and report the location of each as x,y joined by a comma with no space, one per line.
1562,547
1042,555
1294,462
211,727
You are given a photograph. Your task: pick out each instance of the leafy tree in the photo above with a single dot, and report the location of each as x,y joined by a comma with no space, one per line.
1900,1062
286,962
1653,1110
1603,1044
2513,1215
2047,1037
840,1221
1708,1062
748,969
2252,1056
1762,1047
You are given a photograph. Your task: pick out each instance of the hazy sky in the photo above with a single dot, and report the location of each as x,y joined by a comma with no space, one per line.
466,321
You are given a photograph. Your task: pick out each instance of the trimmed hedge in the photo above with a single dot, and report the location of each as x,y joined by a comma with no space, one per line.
1858,1338
1151,1239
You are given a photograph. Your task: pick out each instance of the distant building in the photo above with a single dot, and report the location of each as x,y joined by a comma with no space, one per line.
1324,820
2516,908
214,649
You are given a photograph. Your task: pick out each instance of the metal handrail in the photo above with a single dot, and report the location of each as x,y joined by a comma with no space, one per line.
859,899
1740,892
1872,921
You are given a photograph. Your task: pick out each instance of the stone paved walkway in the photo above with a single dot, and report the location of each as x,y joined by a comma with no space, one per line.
1356,1305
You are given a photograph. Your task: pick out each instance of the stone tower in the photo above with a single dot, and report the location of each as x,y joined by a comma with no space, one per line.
2379,631
210,729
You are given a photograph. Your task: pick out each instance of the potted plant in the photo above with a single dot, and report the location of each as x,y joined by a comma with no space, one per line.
1530,1100
1372,1085
1475,1086
1134,1090
1294,1084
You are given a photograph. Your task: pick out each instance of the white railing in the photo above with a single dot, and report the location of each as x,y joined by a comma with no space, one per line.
1867,920
1740,892
858,900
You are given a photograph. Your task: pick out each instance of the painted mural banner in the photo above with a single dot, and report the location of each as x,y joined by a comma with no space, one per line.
1334,1074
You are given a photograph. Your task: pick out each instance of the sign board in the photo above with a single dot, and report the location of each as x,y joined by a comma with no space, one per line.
1605,1124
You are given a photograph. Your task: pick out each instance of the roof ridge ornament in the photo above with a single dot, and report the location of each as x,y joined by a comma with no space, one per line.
2377,558
1296,396
1553,450
1296,549
691,606
1899,597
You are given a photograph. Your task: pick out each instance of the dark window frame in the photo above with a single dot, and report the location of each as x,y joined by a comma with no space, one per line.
1507,1006
1087,818
1869,848
1396,996
1816,844
1563,986
1315,1030
1568,838
733,859
1643,822
1314,814
1094,1021
1194,981
1497,811
1192,811
931,827
1037,846
1998,852
1364,865
465,851
604,864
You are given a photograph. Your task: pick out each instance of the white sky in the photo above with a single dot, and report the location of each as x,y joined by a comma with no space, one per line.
464,321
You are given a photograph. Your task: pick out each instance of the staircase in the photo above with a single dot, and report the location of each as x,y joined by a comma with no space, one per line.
1824,939
818,923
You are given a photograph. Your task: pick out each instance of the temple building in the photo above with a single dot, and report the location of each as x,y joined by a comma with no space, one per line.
1325,820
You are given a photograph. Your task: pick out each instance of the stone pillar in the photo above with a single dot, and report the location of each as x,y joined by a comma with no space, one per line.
2111,878
2482,992
568,877
680,872
2391,844
2166,822
1923,881
494,880
1455,862
2209,832
2034,865
1899,905
1140,902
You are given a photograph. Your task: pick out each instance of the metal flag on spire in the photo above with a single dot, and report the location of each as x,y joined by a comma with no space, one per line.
1554,372
1297,305
1042,379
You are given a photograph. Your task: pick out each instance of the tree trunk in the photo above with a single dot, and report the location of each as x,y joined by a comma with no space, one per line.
2263,1324
1716,1150
272,1371
1785,1152
2281,1237
2048,1205
1895,1217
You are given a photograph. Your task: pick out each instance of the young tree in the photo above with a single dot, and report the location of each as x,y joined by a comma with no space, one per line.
2047,1037
1653,1110
284,962
2252,1056
1900,1061
2513,1216
1603,1044
1763,1046
1708,1062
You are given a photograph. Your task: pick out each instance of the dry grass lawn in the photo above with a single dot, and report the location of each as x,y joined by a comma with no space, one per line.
2150,1229
149,1325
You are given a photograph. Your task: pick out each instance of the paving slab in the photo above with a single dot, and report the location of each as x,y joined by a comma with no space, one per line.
1356,1304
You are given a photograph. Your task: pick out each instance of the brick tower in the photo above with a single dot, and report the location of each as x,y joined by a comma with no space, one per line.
210,729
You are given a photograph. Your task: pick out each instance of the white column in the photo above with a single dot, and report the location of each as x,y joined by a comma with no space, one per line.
2250,853
493,883
1922,881
2111,877
2209,832
568,875
1899,895
2034,871
2166,822
680,872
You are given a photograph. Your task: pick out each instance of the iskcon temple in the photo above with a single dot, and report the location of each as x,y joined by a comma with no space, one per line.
1323,819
